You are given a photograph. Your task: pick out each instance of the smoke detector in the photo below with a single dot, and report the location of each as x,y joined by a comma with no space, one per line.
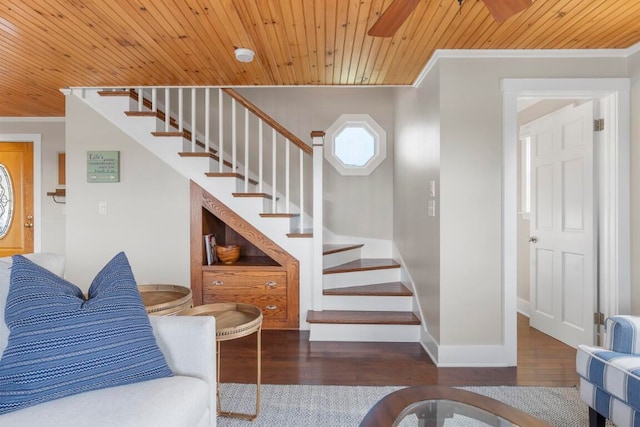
244,55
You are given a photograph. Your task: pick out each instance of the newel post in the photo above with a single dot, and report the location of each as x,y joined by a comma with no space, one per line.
318,196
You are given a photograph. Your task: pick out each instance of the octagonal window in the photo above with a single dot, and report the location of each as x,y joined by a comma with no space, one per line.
357,144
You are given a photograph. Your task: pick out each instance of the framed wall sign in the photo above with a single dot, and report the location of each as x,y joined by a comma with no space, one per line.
103,166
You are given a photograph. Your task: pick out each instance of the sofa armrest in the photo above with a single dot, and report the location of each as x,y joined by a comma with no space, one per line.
189,346
623,334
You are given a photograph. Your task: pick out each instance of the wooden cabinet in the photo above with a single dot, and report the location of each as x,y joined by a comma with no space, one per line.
265,287
265,275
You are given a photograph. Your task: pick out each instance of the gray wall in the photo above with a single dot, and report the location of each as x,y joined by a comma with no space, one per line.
417,162
148,211
52,142
360,206
470,108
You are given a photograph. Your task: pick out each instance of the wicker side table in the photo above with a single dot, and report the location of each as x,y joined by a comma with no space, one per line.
165,300
234,320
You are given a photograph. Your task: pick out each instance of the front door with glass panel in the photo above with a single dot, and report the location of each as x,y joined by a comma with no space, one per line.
16,198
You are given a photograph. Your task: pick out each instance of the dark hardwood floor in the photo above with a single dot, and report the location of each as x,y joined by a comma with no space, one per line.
289,358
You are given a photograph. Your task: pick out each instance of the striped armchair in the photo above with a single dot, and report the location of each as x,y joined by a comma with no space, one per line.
610,375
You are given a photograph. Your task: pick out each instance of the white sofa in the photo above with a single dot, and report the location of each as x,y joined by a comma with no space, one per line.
186,399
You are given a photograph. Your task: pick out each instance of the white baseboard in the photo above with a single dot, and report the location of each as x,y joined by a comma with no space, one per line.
457,356
429,344
523,307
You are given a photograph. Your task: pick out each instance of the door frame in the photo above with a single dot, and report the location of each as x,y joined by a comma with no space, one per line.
36,140
613,201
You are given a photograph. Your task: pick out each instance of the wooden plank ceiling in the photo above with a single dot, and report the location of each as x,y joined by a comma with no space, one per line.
46,45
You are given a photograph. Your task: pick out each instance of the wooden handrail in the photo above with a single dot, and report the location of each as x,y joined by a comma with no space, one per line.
268,120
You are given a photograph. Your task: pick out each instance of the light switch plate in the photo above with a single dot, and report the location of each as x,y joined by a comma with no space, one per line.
431,209
432,188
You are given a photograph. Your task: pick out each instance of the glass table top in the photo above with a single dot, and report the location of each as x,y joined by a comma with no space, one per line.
447,413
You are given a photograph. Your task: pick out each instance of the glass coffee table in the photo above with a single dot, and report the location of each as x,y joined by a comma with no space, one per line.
438,406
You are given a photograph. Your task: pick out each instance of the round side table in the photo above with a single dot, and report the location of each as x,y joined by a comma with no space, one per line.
165,300
233,320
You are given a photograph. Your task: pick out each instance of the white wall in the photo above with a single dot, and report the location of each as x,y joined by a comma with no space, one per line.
360,206
52,142
417,162
148,211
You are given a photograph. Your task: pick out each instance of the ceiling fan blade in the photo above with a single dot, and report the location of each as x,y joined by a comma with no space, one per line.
393,18
501,10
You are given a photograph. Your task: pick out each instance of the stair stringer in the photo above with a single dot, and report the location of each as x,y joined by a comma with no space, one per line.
166,149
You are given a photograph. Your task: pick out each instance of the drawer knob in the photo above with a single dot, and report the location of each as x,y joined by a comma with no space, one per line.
218,283
271,307
271,284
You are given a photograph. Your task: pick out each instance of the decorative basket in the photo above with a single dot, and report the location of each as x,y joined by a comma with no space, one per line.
228,254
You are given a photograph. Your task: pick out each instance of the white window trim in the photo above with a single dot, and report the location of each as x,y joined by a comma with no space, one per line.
354,120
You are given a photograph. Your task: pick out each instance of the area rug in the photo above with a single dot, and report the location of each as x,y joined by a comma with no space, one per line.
345,406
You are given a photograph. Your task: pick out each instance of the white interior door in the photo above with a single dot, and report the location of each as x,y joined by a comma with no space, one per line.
563,227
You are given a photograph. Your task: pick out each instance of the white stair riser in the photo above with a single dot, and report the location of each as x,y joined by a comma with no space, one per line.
359,278
366,303
364,333
338,258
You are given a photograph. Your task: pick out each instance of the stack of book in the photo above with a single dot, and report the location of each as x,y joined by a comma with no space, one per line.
210,248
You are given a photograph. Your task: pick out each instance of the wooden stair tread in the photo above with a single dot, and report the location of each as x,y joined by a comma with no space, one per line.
279,215
332,248
391,289
211,155
123,92
141,113
301,234
168,134
363,264
363,317
231,175
263,195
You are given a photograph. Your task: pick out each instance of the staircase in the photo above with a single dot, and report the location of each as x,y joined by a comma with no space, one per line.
362,299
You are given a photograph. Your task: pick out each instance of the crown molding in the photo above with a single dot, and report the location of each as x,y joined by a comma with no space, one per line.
522,53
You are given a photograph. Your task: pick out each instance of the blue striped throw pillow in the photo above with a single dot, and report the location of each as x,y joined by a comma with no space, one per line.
61,344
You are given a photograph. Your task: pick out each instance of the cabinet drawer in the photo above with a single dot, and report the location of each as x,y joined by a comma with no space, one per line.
272,306
256,281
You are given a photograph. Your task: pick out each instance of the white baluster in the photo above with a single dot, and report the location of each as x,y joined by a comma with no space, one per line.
207,119
287,177
167,108
233,135
154,99
260,157
220,133
300,222
180,109
140,98
246,150
193,119
273,172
